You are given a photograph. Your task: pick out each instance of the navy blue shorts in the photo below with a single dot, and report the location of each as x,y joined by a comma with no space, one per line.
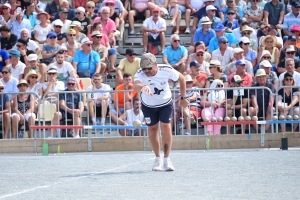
154,115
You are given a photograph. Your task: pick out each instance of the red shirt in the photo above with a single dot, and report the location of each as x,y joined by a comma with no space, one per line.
247,79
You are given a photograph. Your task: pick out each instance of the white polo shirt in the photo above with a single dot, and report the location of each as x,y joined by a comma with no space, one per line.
296,76
197,4
18,70
149,23
98,92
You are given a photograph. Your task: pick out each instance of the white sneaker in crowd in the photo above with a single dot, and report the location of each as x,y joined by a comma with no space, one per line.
158,164
187,31
76,136
168,164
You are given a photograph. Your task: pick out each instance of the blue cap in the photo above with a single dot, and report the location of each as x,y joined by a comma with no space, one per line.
71,79
295,4
194,64
222,39
52,34
292,37
15,52
219,27
240,62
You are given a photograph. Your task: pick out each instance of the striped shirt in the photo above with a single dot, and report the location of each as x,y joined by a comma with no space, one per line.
290,20
190,93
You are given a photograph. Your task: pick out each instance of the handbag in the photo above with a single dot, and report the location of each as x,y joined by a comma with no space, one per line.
85,73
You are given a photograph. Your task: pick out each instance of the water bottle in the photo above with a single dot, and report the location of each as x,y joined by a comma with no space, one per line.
20,135
98,122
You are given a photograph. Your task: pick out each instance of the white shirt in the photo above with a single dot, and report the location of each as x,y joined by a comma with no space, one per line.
197,4
159,86
42,32
31,45
35,89
41,6
10,86
150,24
17,70
58,86
296,76
224,59
131,117
237,34
65,69
98,92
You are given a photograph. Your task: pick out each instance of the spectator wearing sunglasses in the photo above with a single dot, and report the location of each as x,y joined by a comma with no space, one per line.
49,50
198,75
100,49
61,37
216,69
269,43
193,55
241,71
90,10
42,29
220,31
85,21
211,14
237,32
288,99
130,65
231,22
10,83
291,41
34,65
34,86
5,13
22,47
64,50
272,31
246,33
274,13
249,53
70,107
232,5
272,76
290,67
266,55
4,110
65,10
224,53
71,44
289,52
254,13
175,55
63,17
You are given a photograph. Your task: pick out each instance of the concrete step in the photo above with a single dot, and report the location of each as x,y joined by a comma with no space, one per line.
138,39
139,49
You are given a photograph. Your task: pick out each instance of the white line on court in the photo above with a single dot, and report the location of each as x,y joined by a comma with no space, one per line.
71,179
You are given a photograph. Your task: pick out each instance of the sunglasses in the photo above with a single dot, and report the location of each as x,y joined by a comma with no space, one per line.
71,84
288,79
1,88
89,7
89,45
53,37
219,86
131,54
51,73
72,35
255,1
97,79
4,8
63,51
200,54
77,13
99,37
189,82
243,24
22,85
58,26
247,33
212,66
18,46
290,53
176,40
144,69
4,72
230,13
246,43
109,4
224,42
34,77
269,42
266,57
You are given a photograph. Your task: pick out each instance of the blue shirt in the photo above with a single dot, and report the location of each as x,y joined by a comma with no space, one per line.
5,56
251,55
88,61
199,36
32,18
213,43
273,69
16,27
202,12
215,22
290,20
240,12
234,25
174,56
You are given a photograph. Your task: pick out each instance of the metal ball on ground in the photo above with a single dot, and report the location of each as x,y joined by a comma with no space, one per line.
241,118
282,117
220,119
213,119
226,119
254,118
233,119
296,117
289,117
275,117
247,118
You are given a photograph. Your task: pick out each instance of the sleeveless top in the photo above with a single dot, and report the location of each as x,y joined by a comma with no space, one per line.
23,106
131,117
272,54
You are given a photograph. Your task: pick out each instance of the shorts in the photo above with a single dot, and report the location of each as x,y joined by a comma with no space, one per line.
27,116
98,110
140,15
66,116
181,9
135,132
112,51
196,112
152,40
262,112
160,114
115,111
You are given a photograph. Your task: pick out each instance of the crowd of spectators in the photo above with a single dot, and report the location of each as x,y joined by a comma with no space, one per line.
234,43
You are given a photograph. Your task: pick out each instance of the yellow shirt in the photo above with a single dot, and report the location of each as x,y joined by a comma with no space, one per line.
129,67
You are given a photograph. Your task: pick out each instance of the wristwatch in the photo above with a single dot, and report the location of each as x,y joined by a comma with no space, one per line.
183,98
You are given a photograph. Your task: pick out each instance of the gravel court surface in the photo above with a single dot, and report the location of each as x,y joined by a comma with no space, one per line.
214,174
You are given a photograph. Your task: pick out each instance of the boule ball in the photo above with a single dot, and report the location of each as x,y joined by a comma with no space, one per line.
254,118
296,117
213,119
226,119
241,118
137,124
220,119
233,119
206,119
247,118
289,117
275,117
281,117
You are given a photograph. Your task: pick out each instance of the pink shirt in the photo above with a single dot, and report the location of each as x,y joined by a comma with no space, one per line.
108,27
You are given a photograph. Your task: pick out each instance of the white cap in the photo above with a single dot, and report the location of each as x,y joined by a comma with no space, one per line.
188,77
75,23
86,40
52,69
260,72
80,9
58,22
265,52
244,40
208,0
32,57
238,50
265,63
210,7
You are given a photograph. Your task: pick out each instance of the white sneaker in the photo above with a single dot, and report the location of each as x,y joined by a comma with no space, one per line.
132,33
158,164
76,136
187,31
168,164
187,133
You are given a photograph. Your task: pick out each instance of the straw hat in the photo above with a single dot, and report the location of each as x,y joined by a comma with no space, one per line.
260,72
22,81
32,72
187,78
246,28
263,42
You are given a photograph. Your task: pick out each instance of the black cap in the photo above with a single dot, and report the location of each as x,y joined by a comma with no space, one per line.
230,11
194,64
295,4
243,20
130,51
292,37
288,74
23,41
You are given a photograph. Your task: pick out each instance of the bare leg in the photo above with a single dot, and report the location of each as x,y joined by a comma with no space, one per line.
15,123
229,114
6,124
112,60
57,117
145,41
154,139
91,106
77,122
174,14
131,19
166,138
31,121
162,40
188,18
